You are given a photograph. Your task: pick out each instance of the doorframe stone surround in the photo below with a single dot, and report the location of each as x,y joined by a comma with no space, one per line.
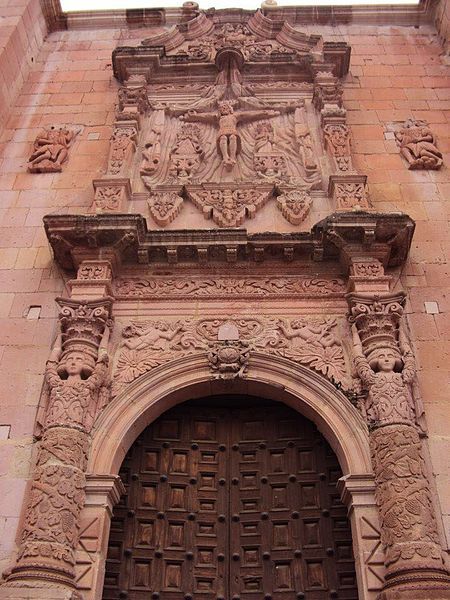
275,378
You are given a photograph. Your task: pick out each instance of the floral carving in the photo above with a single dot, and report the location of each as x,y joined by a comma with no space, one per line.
108,198
51,149
418,145
94,270
294,205
337,137
228,207
364,268
223,287
146,345
165,207
350,192
408,525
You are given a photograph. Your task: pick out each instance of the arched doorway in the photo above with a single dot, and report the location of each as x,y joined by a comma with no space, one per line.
230,497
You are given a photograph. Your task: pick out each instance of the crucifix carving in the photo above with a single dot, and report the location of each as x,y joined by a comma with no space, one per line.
227,119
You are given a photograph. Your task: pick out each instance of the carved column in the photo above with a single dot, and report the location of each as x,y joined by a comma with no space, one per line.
76,388
383,360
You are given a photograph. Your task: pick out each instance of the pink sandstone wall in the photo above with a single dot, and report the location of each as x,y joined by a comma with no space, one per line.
396,73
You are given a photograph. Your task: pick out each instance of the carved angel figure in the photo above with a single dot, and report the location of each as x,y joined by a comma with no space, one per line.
75,381
150,337
227,120
418,145
316,333
50,150
388,375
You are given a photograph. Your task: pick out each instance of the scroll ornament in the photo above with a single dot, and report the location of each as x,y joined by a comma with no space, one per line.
149,344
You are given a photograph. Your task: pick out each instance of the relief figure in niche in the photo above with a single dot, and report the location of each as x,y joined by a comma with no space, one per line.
388,372
227,121
75,378
418,145
51,150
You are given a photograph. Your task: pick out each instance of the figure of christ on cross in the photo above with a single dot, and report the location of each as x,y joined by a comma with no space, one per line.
227,120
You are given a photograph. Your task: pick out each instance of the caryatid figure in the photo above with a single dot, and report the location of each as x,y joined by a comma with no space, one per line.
227,120
388,372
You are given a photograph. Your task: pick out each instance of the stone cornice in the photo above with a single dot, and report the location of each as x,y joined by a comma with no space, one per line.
125,239
392,14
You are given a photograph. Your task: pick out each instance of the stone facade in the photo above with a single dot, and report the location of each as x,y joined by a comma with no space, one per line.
270,219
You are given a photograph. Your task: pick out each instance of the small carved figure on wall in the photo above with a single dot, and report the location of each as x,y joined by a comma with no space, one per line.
418,145
388,372
74,377
227,120
50,150
153,336
316,333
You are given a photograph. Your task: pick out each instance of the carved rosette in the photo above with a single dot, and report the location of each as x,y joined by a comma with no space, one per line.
75,394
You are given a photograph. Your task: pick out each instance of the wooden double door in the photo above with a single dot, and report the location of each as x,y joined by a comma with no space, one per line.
230,503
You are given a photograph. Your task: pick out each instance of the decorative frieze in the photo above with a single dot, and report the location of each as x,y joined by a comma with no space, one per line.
310,342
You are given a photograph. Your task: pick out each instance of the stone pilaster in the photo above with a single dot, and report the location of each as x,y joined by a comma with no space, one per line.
384,362
77,388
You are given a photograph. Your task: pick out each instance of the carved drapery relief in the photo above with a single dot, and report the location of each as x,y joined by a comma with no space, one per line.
313,343
51,149
384,362
77,388
223,287
418,145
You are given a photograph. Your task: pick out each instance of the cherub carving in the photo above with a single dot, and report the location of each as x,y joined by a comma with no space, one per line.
75,379
227,121
150,337
317,333
388,373
51,150
418,145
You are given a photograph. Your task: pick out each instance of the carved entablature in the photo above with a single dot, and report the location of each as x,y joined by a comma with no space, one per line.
224,100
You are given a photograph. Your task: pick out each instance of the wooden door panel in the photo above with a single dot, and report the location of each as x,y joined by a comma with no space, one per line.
224,504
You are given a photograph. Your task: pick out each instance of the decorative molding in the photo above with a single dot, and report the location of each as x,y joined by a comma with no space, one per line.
226,287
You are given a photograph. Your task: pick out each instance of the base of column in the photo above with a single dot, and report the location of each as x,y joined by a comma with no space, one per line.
435,586
37,592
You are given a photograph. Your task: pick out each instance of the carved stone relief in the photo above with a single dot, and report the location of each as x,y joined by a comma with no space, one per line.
51,149
77,388
223,287
312,342
122,145
165,207
418,145
294,205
